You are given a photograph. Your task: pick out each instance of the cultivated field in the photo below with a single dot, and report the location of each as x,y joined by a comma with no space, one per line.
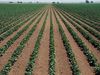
49,39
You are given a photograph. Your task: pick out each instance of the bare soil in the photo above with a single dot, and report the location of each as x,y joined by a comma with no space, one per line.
10,50
87,43
62,65
80,57
62,62
20,66
85,29
42,61
14,33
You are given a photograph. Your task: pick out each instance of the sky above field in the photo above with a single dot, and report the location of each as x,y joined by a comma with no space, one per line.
50,0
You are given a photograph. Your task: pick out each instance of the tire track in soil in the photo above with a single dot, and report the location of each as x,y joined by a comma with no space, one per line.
10,50
42,61
20,66
87,43
62,62
80,57
14,33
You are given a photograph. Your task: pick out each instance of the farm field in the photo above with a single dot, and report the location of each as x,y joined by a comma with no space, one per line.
49,39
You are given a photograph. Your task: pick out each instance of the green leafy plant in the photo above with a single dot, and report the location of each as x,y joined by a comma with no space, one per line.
34,54
71,56
18,50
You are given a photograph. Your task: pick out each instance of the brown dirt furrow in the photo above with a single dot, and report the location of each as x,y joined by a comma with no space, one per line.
20,66
42,61
62,62
84,29
14,33
87,26
8,53
80,57
87,43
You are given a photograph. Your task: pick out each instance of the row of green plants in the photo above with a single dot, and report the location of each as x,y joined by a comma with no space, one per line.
70,54
17,21
8,12
12,40
90,57
18,50
86,34
91,30
4,23
15,28
86,22
93,22
4,29
51,49
12,20
13,23
33,56
88,11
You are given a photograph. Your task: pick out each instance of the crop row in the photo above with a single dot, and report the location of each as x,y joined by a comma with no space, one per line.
88,11
70,54
4,29
33,56
52,49
85,34
10,25
93,22
15,28
12,40
15,22
8,12
4,23
90,57
12,20
91,30
18,21
86,22
18,50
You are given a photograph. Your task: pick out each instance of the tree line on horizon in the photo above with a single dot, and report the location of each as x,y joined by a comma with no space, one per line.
87,1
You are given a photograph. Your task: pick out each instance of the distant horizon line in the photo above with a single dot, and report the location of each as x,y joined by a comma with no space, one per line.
42,2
